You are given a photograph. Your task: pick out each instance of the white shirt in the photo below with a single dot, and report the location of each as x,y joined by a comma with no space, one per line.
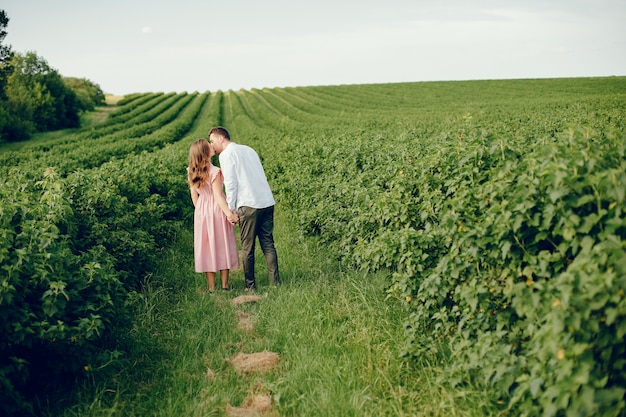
244,178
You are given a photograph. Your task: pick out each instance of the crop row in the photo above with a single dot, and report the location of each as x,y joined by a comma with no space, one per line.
75,247
498,212
86,152
497,208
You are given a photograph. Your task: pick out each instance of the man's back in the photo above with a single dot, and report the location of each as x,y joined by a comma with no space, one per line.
244,178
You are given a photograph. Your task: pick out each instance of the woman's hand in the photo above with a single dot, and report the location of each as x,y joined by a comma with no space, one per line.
233,218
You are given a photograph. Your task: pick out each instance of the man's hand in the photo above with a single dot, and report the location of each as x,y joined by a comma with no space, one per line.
233,218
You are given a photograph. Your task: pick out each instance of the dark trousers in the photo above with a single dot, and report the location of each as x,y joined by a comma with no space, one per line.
259,223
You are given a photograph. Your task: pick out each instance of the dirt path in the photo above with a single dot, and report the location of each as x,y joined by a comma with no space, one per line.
259,402
101,113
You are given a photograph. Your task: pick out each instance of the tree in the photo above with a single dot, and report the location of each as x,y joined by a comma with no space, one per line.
5,53
36,92
34,96
88,93
9,125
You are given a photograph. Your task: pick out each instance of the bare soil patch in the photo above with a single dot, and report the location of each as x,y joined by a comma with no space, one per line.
242,299
255,405
243,321
258,362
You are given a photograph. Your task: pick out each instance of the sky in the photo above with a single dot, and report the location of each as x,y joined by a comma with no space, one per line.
130,46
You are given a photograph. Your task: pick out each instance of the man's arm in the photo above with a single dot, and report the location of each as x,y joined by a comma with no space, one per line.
230,180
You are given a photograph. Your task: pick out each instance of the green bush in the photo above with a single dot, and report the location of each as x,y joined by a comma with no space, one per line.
51,298
529,289
72,249
510,250
501,226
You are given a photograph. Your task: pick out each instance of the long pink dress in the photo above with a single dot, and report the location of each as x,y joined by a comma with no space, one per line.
214,237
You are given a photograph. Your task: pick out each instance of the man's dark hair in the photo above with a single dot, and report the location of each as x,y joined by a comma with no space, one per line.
219,130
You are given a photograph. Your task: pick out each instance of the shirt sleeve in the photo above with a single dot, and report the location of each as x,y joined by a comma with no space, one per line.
227,164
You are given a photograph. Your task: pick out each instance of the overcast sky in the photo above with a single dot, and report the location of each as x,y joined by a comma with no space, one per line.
128,46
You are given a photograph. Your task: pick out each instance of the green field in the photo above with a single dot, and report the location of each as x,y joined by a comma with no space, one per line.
447,249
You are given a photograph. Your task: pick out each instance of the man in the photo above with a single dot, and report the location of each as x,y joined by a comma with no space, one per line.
250,198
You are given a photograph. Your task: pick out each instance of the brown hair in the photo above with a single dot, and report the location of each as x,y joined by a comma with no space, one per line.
199,162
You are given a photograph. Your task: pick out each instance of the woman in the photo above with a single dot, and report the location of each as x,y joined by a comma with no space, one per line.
215,248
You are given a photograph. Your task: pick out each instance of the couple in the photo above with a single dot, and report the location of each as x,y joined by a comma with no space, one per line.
248,201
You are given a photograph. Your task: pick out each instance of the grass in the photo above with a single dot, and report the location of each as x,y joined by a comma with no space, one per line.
338,335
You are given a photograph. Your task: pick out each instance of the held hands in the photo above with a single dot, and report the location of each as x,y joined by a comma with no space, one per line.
233,218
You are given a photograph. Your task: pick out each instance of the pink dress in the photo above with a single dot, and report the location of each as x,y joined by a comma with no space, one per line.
214,237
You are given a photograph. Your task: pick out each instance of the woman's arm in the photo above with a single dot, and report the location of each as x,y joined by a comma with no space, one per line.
194,195
218,194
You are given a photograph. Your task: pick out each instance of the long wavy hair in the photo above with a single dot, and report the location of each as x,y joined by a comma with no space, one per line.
199,162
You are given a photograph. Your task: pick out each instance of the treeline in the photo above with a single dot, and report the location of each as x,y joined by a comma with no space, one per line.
34,97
